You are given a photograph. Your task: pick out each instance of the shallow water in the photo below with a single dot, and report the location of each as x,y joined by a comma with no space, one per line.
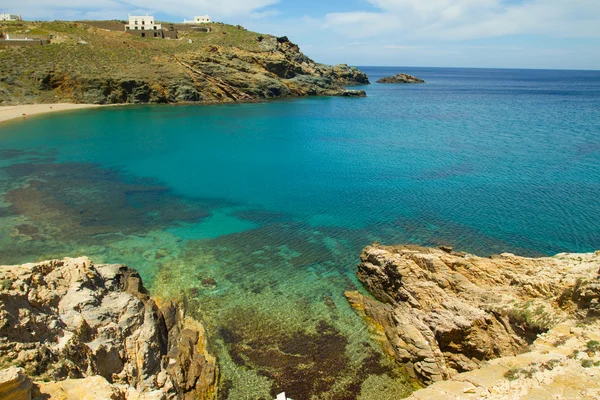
255,214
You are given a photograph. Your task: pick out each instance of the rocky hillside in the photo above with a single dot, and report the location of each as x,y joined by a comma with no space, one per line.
86,64
80,330
442,313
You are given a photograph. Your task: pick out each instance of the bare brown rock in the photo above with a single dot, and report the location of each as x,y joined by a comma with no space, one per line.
70,319
441,312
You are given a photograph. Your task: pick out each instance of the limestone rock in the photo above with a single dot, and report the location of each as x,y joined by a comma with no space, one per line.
558,365
14,385
70,319
91,388
443,312
401,78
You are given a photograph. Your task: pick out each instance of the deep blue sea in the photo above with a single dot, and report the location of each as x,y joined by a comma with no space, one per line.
256,213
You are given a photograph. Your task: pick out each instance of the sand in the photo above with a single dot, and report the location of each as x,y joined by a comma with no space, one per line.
13,112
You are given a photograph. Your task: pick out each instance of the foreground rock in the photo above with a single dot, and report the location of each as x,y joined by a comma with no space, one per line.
14,385
78,326
401,78
563,363
442,313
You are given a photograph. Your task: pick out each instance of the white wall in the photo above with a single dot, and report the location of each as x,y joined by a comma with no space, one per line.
10,17
142,22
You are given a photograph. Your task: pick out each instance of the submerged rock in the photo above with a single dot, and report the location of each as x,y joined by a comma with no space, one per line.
441,312
401,78
70,319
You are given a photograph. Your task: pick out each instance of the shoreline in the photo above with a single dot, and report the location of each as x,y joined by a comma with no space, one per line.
11,113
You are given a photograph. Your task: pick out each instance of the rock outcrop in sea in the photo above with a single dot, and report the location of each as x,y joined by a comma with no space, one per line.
442,313
401,78
79,330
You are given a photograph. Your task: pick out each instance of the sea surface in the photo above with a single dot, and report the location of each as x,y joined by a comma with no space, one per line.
256,214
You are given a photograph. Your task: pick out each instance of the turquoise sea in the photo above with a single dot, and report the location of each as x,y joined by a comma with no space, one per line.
256,214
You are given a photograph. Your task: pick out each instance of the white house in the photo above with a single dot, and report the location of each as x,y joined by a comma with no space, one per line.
10,17
142,23
203,19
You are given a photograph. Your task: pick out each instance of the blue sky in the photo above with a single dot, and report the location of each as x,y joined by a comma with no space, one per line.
455,33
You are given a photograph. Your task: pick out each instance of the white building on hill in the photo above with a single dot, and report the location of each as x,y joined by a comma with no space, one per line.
203,19
10,17
142,23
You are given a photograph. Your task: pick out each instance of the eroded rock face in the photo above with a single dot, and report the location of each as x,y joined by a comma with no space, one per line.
441,312
70,319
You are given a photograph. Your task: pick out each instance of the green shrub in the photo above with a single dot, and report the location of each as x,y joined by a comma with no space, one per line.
513,374
593,346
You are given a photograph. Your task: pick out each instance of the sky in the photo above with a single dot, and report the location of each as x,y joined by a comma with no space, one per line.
555,34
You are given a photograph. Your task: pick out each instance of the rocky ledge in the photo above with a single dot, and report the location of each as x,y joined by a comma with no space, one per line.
401,78
442,313
83,331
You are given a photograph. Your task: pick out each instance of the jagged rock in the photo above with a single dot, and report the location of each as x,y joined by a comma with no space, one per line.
441,312
70,319
401,78
14,385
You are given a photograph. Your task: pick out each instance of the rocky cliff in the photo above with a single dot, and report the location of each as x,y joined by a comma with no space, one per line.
84,64
441,312
71,326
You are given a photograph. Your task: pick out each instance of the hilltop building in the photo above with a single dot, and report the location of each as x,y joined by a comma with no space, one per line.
146,26
142,23
10,17
203,19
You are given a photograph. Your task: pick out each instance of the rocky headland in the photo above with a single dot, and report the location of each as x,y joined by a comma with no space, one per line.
71,330
86,64
498,327
400,78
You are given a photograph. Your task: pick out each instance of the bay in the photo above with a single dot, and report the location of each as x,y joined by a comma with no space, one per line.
256,214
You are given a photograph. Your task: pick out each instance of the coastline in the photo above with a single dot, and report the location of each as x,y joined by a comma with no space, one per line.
9,113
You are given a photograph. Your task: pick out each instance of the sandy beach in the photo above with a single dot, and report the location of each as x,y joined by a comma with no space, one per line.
23,111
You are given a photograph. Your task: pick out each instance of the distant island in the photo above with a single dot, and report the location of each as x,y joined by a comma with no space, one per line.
401,78
105,62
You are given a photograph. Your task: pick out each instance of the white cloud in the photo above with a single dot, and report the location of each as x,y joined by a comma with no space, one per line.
73,9
401,47
362,24
469,19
